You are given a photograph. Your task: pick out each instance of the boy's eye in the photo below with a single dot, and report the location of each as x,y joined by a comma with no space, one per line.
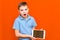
21,10
25,9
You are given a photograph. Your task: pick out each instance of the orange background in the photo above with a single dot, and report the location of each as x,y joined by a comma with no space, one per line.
45,12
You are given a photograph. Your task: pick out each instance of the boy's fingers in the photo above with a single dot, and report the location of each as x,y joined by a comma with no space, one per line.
41,29
38,38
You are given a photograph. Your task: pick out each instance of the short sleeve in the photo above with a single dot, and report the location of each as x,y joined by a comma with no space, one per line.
16,25
34,23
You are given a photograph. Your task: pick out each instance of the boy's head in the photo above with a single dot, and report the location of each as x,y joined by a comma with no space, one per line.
23,9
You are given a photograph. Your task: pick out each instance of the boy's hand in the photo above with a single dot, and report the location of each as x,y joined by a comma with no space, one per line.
33,38
37,39
41,29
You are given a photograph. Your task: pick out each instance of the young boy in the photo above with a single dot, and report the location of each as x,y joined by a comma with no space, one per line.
24,23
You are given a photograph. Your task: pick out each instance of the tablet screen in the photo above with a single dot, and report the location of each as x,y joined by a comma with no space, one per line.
38,33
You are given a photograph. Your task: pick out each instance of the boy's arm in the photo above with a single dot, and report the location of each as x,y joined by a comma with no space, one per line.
18,34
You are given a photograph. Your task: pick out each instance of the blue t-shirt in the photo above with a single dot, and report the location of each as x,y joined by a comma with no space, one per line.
25,26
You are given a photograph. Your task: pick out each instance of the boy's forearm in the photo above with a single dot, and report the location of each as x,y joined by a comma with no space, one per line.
23,35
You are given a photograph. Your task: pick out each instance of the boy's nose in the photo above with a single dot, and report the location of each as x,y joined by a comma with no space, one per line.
24,12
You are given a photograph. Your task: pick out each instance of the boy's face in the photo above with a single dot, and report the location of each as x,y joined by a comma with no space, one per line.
23,10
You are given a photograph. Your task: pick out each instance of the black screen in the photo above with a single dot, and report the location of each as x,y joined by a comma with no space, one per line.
38,34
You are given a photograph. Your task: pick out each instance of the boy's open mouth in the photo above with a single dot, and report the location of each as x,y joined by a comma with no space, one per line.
24,14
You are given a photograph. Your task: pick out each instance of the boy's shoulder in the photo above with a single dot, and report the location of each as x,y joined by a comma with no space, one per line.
32,17
17,18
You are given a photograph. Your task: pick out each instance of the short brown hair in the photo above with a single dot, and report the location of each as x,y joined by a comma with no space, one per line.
21,4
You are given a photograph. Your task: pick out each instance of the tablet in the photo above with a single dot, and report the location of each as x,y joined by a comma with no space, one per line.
38,34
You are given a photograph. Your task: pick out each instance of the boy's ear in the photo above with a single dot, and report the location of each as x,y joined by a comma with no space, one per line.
18,10
28,8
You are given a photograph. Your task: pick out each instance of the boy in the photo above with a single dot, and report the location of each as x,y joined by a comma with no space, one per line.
24,23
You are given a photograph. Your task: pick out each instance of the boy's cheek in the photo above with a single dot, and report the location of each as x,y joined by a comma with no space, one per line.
21,12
